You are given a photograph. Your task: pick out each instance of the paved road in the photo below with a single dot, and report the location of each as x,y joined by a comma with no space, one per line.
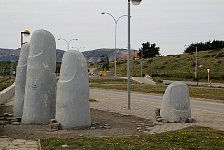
157,99
143,105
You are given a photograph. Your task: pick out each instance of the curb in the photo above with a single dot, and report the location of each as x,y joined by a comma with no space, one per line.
7,93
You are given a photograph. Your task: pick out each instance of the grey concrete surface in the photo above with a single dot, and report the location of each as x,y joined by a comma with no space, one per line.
20,81
7,93
208,114
18,144
7,143
72,102
40,89
176,103
144,80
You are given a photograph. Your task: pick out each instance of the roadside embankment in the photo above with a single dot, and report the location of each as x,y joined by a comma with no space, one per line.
7,93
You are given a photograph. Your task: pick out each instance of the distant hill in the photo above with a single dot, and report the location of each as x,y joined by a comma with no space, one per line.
91,56
6,53
13,54
94,55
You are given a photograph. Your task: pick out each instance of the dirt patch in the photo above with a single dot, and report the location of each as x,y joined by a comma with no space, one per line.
120,125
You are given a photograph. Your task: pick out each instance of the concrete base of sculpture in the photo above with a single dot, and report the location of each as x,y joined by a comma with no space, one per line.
176,104
72,102
21,80
40,90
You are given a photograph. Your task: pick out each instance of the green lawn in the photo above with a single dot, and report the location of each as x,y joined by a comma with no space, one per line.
186,139
179,67
194,91
121,84
5,82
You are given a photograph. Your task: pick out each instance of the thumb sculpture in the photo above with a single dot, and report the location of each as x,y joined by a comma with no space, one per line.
72,102
40,89
21,80
176,104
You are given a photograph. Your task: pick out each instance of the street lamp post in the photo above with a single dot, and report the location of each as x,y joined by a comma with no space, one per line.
141,60
67,42
196,61
11,64
134,2
115,41
24,33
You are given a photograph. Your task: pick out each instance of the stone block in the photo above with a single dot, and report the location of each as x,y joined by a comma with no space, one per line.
176,104
40,89
18,142
72,102
15,123
157,112
3,122
159,119
20,81
53,121
54,126
190,120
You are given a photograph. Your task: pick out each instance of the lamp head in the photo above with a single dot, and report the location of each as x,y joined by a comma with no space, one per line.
103,13
26,32
136,2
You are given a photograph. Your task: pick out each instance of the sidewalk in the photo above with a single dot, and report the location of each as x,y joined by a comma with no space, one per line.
117,101
18,144
7,143
141,106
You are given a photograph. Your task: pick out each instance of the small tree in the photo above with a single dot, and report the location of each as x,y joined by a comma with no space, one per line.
148,50
210,45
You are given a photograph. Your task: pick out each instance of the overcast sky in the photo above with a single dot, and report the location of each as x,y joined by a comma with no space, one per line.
170,24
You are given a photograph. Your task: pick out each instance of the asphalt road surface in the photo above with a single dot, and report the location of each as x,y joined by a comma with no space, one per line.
196,103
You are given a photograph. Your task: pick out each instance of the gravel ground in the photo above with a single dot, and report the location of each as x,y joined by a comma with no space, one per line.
119,125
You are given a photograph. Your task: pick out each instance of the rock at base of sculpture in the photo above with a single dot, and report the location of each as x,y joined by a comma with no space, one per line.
176,104
40,89
20,81
72,102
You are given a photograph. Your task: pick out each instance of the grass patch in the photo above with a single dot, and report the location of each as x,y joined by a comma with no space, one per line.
107,81
134,87
208,93
191,138
197,92
5,82
179,67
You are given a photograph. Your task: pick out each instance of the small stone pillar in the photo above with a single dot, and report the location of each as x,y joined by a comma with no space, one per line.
40,90
21,80
176,104
72,102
